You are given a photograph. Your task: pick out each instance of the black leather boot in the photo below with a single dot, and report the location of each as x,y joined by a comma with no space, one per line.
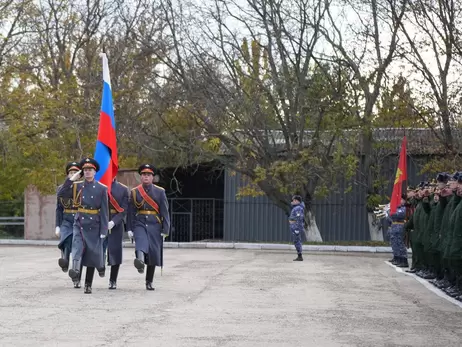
89,279
299,258
74,273
113,276
63,262
444,283
150,277
402,262
139,261
77,281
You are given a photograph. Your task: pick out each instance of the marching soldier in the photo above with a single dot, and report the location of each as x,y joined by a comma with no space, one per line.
118,204
148,221
90,222
65,213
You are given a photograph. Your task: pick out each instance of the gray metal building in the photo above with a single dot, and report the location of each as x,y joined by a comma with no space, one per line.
340,217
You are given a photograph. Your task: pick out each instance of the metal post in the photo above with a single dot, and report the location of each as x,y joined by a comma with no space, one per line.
213,220
191,222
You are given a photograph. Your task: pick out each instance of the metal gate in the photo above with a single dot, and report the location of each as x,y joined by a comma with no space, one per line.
196,219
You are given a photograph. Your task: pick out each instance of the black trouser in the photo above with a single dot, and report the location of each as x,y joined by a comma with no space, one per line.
89,276
437,265
419,256
150,273
80,273
114,273
67,244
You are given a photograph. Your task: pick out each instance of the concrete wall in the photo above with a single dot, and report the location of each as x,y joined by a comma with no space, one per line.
40,210
39,215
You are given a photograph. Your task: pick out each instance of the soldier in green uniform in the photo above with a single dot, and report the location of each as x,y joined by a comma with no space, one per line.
444,232
415,224
429,202
453,251
442,196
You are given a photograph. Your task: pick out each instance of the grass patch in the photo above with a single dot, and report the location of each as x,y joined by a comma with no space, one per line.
5,235
351,243
326,243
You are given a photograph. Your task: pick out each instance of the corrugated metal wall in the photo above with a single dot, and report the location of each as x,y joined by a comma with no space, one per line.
340,217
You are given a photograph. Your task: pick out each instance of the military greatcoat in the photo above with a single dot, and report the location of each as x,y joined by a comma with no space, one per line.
117,215
90,221
148,218
65,213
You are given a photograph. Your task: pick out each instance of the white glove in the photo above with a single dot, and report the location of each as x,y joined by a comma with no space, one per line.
76,175
102,236
110,225
130,234
296,232
164,236
58,231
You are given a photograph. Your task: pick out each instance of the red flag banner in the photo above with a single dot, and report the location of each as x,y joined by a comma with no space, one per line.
401,176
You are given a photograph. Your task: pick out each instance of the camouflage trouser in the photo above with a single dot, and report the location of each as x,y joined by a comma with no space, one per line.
297,242
398,247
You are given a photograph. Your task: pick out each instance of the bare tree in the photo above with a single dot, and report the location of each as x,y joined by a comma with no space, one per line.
364,37
432,47
245,74
14,20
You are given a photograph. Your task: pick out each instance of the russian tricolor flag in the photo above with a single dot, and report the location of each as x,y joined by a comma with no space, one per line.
106,143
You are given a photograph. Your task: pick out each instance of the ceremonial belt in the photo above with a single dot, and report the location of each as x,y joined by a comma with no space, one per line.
398,223
147,212
114,211
84,210
68,210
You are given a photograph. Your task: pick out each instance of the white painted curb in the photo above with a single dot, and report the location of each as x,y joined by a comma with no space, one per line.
223,245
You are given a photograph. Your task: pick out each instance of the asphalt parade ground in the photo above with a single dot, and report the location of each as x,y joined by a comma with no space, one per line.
228,297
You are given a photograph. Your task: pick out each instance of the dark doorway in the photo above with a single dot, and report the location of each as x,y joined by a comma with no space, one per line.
195,196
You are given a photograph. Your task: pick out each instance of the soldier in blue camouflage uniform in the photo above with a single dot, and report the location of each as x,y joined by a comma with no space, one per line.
396,233
65,213
296,222
148,221
90,222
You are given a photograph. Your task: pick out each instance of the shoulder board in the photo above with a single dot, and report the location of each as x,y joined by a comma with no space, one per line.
105,186
155,185
78,181
133,189
123,185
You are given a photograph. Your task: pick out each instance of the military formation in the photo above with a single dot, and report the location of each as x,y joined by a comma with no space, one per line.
429,221
91,223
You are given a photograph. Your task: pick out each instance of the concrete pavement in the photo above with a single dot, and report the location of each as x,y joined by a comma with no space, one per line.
224,297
